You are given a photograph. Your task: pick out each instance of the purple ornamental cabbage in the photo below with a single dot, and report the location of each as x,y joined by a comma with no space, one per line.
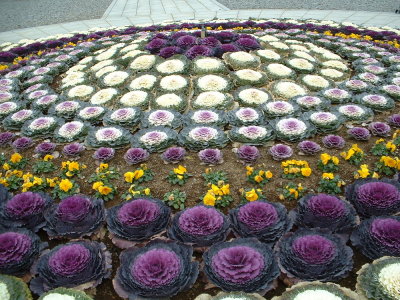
359,133
169,51
24,210
309,255
6,138
280,152
309,147
211,156
137,220
19,248
266,221
378,236
241,265
22,143
226,48
74,217
173,155
199,50
248,43
374,197
156,44
210,41
104,154
159,270
333,142
45,148
200,226
73,149
248,154
135,156
394,120
78,263
325,211
379,128
186,41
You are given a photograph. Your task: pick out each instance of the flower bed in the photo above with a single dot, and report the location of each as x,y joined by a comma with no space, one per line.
109,130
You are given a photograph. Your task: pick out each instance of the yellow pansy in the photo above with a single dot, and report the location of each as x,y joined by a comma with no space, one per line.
225,189
48,157
104,190
294,192
251,195
6,166
335,160
390,146
258,178
325,157
180,170
103,167
216,190
146,191
379,141
209,199
73,166
250,170
16,158
97,184
65,185
268,175
328,176
389,161
51,182
306,172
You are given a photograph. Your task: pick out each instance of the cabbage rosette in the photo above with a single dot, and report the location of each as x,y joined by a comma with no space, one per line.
308,255
252,134
79,264
293,129
317,291
202,137
24,210
380,279
154,139
161,117
325,211
13,288
108,137
127,117
378,236
266,221
324,121
230,296
137,220
19,249
74,217
241,265
158,271
200,226
71,131
205,117
65,294
374,197
245,116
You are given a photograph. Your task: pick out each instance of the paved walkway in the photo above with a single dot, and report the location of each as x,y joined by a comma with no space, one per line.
133,12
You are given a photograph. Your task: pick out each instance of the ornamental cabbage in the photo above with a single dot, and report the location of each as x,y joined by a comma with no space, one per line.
200,226
380,279
241,265
138,278
325,211
374,197
137,220
13,288
65,294
317,291
79,264
378,236
308,255
74,217
19,248
24,210
266,221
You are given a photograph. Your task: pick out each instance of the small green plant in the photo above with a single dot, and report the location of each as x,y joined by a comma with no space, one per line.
175,199
178,176
291,191
43,166
211,177
330,184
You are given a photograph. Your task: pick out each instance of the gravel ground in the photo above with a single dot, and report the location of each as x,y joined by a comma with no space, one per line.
28,13
369,5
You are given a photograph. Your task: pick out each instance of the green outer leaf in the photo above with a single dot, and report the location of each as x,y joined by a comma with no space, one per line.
78,295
